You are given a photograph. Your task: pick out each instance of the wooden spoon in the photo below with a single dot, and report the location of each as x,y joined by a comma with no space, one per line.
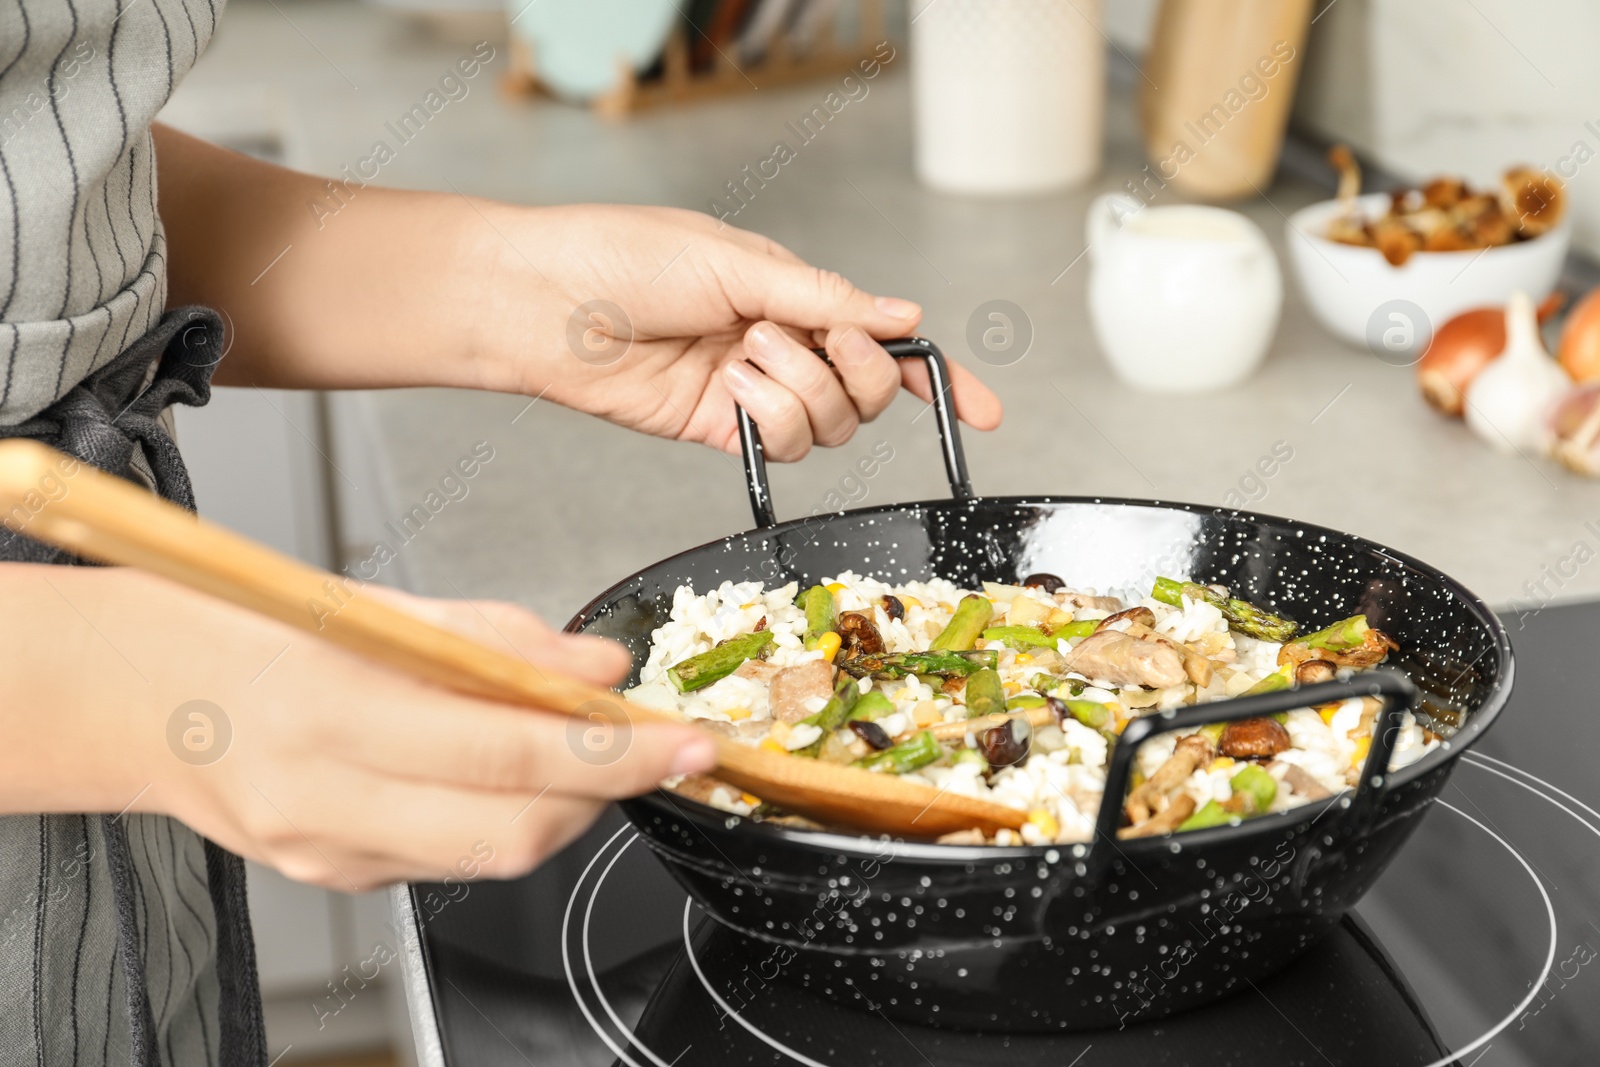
51,497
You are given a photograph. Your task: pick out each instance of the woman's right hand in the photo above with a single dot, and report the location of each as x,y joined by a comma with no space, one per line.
335,770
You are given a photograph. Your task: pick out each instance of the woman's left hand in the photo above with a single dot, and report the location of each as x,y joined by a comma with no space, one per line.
662,320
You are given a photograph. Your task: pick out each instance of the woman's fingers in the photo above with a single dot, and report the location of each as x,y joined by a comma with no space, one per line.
785,426
602,752
829,409
870,375
976,404
390,830
797,294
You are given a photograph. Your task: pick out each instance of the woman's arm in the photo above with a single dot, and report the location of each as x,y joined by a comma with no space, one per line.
655,318
331,768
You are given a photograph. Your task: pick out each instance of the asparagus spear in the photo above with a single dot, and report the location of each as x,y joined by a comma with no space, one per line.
903,664
985,695
1241,615
834,714
1046,683
971,617
697,672
1020,637
1344,634
1091,713
1256,783
817,603
917,751
1212,814
1025,702
872,706
1270,684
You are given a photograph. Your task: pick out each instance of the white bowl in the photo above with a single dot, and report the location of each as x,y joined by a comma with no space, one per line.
1345,285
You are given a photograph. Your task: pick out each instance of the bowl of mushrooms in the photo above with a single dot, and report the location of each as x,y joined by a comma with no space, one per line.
1441,248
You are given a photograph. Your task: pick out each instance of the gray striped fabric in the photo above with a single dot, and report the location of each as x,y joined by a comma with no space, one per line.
83,276
82,264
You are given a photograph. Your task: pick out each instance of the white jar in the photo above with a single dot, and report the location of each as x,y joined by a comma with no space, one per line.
1182,298
1008,95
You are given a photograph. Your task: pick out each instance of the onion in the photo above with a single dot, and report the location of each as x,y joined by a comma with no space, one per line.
1463,347
1510,401
1580,339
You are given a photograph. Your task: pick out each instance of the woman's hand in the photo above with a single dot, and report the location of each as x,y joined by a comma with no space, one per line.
662,320
330,768
403,289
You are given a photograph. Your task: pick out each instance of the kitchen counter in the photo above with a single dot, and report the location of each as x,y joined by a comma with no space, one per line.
569,505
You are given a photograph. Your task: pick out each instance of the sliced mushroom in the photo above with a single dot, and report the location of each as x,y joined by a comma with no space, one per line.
1312,671
858,636
892,606
1375,645
1167,820
1142,615
1253,739
1124,659
1084,600
793,686
1151,798
701,786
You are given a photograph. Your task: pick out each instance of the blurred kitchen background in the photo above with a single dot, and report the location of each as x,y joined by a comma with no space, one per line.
951,152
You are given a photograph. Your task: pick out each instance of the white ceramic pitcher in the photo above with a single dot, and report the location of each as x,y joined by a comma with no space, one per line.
1183,298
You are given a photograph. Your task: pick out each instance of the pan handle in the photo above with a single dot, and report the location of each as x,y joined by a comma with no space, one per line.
955,462
1394,689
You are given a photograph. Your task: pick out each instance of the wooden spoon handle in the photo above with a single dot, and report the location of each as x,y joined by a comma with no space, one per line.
51,497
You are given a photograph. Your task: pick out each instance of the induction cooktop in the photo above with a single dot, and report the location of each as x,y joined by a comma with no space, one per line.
1476,947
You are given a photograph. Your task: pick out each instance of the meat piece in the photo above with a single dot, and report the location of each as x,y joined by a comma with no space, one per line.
1299,780
1140,622
1123,659
758,670
1253,739
793,686
858,636
1084,600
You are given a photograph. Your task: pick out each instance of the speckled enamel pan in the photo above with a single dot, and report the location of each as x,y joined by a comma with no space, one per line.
1041,938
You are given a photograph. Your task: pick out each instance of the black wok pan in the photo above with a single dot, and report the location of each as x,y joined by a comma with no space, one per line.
1067,937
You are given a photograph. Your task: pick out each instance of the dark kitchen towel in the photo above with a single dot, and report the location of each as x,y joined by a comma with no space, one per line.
132,943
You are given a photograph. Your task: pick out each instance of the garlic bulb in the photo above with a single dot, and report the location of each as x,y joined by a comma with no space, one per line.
1509,402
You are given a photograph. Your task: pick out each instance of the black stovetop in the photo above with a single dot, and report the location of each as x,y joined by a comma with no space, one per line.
1475,947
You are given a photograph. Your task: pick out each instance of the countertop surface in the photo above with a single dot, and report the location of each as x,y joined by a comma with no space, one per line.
569,505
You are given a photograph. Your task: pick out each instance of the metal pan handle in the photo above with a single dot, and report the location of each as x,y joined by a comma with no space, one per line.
1394,689
955,462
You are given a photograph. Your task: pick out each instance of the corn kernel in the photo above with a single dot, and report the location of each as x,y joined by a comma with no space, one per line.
828,645
926,714
750,799
1363,744
835,588
1023,657
1045,822
909,602
1221,763
772,746
1328,713
1012,688
779,735
736,714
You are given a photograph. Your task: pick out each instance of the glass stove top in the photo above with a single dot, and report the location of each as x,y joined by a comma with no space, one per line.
1477,947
